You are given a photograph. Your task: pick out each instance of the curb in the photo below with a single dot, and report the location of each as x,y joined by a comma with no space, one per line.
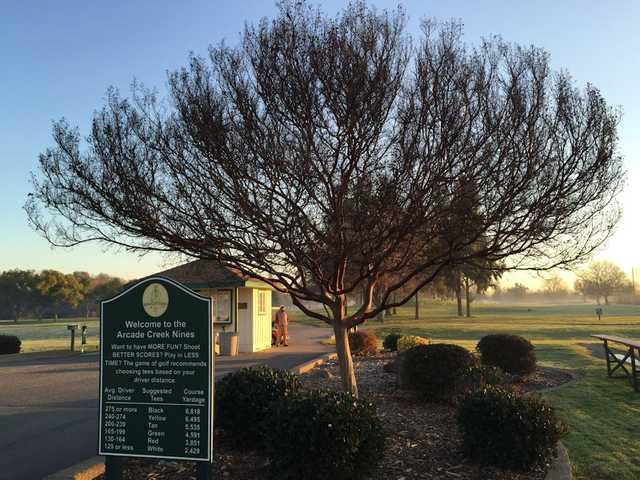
85,470
311,364
560,469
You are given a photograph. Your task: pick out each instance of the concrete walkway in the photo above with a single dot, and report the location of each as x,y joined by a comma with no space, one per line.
49,402
304,345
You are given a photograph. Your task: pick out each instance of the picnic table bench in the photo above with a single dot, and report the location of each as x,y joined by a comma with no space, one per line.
620,360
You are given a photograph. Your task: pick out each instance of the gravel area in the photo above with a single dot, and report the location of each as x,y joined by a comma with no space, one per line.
422,439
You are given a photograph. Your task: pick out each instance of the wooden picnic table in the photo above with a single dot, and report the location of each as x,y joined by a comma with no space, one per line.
620,360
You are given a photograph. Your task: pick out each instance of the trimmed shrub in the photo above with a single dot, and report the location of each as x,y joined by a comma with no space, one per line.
507,429
9,344
410,341
390,342
246,398
324,434
437,372
363,342
512,353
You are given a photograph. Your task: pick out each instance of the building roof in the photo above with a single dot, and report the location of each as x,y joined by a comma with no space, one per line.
206,274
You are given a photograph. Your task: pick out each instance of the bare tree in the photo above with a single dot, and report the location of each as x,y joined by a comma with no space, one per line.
602,279
581,288
322,155
555,287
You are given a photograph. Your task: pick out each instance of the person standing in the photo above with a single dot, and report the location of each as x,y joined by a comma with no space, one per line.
282,320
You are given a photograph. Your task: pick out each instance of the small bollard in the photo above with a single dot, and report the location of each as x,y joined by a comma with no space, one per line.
72,329
83,333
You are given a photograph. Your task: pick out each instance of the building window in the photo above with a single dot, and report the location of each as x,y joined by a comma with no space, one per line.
262,302
220,305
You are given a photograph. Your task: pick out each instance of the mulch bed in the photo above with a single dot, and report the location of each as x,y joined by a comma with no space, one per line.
547,377
422,439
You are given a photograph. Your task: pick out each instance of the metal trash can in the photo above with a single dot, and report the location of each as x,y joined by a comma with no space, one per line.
229,343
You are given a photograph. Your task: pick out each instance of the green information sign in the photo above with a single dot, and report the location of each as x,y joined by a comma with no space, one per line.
156,370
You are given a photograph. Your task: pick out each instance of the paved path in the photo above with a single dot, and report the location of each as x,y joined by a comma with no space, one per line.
49,402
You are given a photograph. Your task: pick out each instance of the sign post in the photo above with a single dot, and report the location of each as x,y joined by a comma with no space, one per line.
72,329
156,373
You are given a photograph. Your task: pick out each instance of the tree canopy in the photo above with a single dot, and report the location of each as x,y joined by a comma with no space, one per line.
601,280
30,294
555,287
327,155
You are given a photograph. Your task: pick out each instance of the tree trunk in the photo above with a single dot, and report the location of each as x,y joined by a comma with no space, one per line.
343,350
376,300
394,311
459,296
468,296
606,299
417,297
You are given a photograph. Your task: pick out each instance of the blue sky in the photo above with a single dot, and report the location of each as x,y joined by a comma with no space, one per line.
58,58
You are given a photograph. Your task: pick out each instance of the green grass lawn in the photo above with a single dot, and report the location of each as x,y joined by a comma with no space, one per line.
50,334
603,414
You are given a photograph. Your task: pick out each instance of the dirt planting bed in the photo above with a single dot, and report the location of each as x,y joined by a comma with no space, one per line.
422,439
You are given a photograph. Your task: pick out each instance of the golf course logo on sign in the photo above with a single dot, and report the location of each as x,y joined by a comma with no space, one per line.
156,368
155,299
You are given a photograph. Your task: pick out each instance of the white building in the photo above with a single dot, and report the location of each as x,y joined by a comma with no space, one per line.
239,303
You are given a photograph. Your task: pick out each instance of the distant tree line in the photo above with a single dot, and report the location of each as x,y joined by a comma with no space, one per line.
599,281
52,294
553,288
